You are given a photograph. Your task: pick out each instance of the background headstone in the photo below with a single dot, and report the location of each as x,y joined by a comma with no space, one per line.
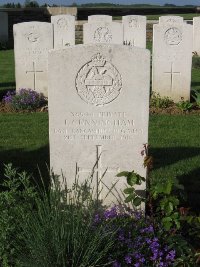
172,60
196,35
99,18
100,32
170,19
3,27
32,41
99,112
134,30
64,30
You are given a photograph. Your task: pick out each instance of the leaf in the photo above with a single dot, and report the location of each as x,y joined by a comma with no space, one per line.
168,188
166,219
137,201
131,178
170,207
129,198
167,225
129,190
121,174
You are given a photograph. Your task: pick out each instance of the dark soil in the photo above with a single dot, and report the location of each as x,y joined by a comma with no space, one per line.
4,108
174,110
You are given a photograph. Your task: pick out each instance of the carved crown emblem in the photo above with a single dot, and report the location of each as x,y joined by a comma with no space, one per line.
98,60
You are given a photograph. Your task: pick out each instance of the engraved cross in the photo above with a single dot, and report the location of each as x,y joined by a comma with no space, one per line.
34,71
172,74
98,169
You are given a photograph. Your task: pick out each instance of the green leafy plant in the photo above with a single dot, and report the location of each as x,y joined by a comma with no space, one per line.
184,105
17,198
196,96
60,231
160,102
133,179
195,61
167,203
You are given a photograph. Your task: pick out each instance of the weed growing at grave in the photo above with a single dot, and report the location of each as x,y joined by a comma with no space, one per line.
61,231
62,227
160,102
17,196
196,96
196,62
166,220
25,99
184,105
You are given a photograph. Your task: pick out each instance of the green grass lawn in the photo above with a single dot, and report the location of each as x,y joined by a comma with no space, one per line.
7,71
174,140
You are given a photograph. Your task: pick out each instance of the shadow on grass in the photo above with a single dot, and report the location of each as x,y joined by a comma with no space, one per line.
191,180
30,161
195,84
167,156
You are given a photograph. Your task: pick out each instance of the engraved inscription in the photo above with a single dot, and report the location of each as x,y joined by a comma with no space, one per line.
173,36
102,35
133,23
62,23
99,126
98,82
33,37
171,21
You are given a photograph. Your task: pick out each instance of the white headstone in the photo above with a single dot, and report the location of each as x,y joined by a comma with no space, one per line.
196,35
3,27
100,32
32,41
134,30
99,112
99,18
170,19
172,60
64,30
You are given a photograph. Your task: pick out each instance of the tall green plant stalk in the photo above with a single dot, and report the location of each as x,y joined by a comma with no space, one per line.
60,232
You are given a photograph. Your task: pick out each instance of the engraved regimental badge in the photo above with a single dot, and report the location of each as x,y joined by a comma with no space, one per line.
102,35
62,23
33,37
173,36
98,82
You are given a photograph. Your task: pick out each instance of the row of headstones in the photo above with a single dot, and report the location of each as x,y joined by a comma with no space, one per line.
33,40
172,49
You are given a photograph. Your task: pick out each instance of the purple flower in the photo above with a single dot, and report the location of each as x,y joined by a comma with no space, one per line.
110,214
24,99
171,255
116,264
128,259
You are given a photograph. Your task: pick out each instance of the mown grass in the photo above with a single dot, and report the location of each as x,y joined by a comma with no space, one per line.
7,71
24,141
174,144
